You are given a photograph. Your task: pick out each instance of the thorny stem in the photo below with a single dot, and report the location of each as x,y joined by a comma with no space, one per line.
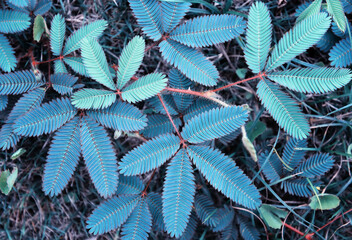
144,193
170,118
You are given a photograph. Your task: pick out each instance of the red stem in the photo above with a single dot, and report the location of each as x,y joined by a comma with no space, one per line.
199,94
170,118
308,237
144,193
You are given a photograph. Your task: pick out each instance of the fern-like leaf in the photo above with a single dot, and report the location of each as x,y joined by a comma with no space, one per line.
191,227
144,88
178,194
99,156
173,12
230,233
3,102
91,30
316,165
129,185
26,103
62,158
63,82
293,154
312,9
312,80
120,116
89,98
258,37
335,9
111,214
206,211
59,67
272,167
209,30
168,101
298,187
222,172
148,14
341,54
149,155
158,125
214,124
19,3
18,82
57,34
190,62
327,41
178,80
76,63
42,7
225,216
13,21
139,224
347,6
8,60
297,40
155,207
130,60
284,110
200,105
95,62
46,118
247,230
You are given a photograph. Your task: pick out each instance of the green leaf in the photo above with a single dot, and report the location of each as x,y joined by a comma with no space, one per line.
284,109
324,201
255,129
296,41
258,37
95,62
18,153
144,88
93,98
39,27
336,10
7,180
314,8
130,60
272,215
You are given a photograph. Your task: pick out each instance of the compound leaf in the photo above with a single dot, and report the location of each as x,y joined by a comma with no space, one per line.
173,12
62,159
18,82
89,98
99,156
149,155
8,60
13,21
316,165
57,34
222,172
63,82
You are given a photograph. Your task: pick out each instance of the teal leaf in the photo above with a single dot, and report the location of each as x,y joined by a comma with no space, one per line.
8,61
89,98
57,34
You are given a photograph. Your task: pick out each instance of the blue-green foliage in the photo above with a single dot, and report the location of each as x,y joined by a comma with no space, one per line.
155,207
222,172
3,102
120,116
206,211
149,155
26,103
159,22
62,158
8,60
327,41
213,124
46,118
89,98
191,227
57,34
225,216
76,63
63,83
129,185
159,124
247,230
284,109
200,105
139,224
230,233
18,82
176,10
38,7
13,21
293,162
347,6
208,30
190,62
169,103
178,194
99,156
341,54
310,29
179,81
